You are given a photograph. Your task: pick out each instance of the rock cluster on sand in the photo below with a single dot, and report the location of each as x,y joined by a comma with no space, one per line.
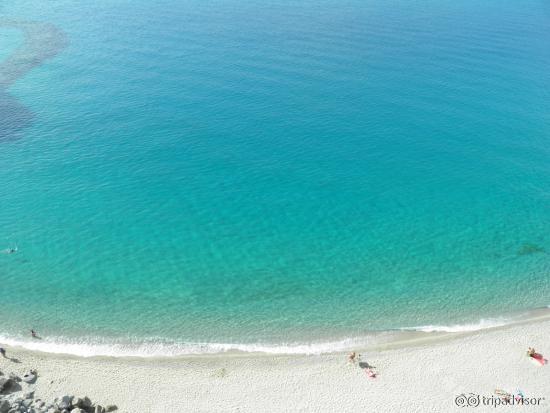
15,399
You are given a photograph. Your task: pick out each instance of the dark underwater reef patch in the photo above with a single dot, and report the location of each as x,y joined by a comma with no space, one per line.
14,117
528,249
42,41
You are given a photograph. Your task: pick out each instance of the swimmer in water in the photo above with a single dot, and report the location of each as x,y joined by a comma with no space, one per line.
10,250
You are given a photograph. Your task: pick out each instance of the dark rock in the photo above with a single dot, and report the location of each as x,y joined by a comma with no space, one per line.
65,402
4,406
77,402
5,383
86,403
15,377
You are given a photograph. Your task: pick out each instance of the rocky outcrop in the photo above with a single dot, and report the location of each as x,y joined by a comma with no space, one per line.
13,398
4,406
5,383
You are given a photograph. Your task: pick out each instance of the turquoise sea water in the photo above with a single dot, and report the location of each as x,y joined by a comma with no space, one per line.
248,172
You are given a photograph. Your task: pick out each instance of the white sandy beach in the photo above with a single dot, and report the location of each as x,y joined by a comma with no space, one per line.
417,378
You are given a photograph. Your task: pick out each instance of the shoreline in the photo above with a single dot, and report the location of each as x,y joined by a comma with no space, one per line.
425,376
372,341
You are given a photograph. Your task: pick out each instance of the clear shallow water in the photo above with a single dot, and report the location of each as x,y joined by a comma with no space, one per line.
236,172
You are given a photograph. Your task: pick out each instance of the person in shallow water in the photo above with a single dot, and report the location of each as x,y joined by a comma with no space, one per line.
33,334
3,352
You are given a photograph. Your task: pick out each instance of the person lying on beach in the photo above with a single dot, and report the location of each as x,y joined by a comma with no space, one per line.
353,357
536,356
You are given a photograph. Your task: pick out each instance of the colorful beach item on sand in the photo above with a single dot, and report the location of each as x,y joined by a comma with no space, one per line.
539,359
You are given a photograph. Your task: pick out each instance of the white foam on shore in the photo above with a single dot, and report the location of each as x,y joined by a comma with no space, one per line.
482,324
160,348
